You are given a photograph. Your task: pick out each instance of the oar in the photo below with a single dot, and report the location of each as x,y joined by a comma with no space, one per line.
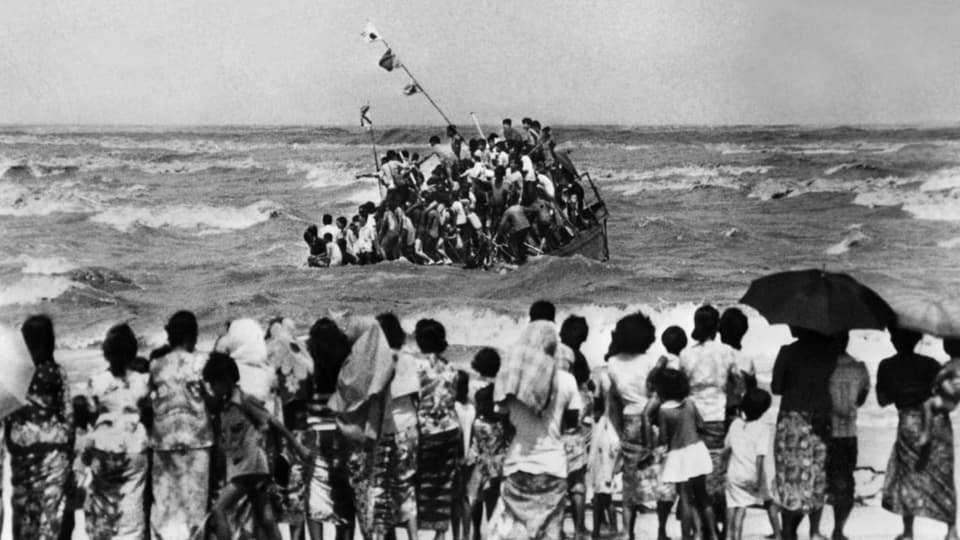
477,123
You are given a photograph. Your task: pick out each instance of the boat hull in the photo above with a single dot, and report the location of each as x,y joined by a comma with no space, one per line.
590,243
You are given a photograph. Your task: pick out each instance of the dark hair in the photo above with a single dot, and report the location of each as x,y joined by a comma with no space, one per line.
633,335
580,368
525,120
182,330
755,402
342,221
535,124
951,346
120,348
434,140
672,384
732,327
574,331
328,237
674,339
327,219
705,322
542,310
484,400
462,394
507,122
392,330
329,348
486,362
37,333
431,336
392,154
221,367
415,156
904,341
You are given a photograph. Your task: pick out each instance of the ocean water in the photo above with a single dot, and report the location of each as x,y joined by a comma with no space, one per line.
102,225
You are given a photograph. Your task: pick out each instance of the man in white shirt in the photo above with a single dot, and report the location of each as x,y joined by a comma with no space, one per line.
327,227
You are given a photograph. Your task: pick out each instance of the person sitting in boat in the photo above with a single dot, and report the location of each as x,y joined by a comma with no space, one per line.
334,257
316,245
366,247
327,226
346,239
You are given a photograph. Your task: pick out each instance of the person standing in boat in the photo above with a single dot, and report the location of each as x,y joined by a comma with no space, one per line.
514,228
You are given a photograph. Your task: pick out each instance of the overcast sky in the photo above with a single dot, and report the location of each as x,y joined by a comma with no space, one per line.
625,62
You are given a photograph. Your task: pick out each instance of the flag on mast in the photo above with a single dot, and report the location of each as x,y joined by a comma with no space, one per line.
389,61
364,119
410,89
370,33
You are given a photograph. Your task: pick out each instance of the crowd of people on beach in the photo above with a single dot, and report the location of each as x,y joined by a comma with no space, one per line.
505,195
360,428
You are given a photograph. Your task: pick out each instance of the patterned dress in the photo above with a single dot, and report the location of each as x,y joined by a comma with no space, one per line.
181,438
488,447
40,441
440,442
117,447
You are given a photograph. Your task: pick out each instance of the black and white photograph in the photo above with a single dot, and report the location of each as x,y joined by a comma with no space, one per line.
539,270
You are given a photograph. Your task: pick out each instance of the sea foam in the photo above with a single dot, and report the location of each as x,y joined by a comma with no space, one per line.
199,218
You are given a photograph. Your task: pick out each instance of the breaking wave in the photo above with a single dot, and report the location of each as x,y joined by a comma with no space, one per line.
198,218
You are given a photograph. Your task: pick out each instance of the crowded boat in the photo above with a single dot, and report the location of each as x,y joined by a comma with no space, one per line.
365,427
476,203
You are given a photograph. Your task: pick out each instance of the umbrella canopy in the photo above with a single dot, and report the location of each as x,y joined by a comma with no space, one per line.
824,302
934,317
16,371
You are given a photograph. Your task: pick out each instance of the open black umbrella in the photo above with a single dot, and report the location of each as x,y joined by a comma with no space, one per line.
824,302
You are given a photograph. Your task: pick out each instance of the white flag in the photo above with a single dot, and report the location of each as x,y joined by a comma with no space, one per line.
370,33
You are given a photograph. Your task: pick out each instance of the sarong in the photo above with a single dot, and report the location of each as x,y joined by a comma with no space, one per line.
437,463
641,485
114,507
382,477
39,478
800,456
181,486
327,496
713,435
919,480
841,463
530,508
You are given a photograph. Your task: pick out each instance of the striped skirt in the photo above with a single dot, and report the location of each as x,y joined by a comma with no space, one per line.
437,464
919,480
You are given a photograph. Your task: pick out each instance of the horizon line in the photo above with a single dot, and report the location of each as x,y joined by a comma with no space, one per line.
863,125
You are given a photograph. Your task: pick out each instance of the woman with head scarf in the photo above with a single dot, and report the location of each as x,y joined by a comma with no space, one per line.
116,451
919,479
375,397
540,399
40,440
712,368
181,434
801,374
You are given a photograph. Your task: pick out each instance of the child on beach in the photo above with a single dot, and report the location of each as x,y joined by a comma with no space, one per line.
490,438
604,460
946,388
746,445
466,414
243,424
688,461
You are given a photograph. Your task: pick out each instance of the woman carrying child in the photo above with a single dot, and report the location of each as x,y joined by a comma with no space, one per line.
688,461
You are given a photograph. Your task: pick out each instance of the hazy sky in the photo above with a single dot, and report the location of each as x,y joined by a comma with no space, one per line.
629,62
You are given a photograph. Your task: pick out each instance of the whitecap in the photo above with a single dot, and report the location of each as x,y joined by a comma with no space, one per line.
33,289
199,218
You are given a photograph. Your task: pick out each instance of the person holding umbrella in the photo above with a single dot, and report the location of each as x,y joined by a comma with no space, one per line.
816,305
919,480
801,376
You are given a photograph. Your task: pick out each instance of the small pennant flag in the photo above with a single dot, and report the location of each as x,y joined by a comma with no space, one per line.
410,89
370,33
389,61
364,119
